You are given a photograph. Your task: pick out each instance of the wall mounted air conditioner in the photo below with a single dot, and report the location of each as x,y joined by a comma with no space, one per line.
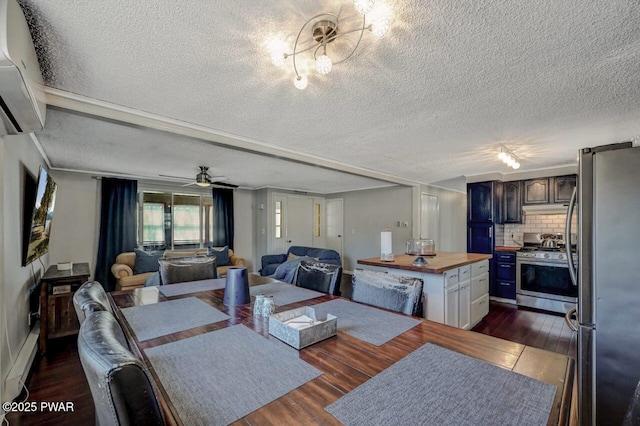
22,98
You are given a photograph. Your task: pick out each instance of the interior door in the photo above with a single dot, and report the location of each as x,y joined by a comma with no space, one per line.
335,224
299,221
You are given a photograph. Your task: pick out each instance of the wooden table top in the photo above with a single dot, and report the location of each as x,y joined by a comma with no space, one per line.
442,261
347,362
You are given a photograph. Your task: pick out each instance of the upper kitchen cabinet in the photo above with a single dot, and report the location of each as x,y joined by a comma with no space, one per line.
484,201
512,202
562,188
536,191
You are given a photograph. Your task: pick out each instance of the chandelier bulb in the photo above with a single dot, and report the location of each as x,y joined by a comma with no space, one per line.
300,82
363,6
323,64
380,27
516,165
502,155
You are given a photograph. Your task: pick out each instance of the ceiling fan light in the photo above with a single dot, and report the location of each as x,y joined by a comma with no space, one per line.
323,64
363,6
300,82
203,184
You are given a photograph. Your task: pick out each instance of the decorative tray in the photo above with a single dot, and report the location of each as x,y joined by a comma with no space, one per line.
301,327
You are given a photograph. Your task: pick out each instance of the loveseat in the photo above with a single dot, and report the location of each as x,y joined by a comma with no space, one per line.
123,268
270,262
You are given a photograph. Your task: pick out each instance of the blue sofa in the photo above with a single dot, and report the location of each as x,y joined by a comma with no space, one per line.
271,261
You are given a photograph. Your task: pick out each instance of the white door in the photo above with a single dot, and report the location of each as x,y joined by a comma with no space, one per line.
299,221
335,224
464,305
279,230
451,305
429,217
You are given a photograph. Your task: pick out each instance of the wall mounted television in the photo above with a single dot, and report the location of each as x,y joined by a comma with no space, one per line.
39,201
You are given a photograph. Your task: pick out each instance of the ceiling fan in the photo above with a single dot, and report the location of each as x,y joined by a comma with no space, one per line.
204,179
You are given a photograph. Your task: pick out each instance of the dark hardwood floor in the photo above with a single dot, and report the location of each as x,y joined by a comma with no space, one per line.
530,327
58,376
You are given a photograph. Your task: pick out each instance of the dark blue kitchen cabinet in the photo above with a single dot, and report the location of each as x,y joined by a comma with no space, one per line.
505,275
484,202
512,202
480,238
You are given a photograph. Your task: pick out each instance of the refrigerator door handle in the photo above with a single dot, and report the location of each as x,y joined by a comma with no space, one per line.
569,321
567,230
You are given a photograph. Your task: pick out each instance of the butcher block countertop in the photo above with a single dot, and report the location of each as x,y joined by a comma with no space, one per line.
442,261
506,248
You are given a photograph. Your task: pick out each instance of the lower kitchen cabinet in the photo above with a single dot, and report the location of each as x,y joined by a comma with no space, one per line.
450,297
505,286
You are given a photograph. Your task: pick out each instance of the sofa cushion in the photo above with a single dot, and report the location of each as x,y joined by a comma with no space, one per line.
323,254
146,261
221,254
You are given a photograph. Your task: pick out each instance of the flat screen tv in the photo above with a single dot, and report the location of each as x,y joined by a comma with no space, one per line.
40,200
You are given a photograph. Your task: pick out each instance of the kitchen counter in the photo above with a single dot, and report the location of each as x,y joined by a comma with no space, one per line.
443,261
506,248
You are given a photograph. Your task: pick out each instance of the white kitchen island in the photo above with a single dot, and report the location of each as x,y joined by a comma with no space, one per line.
455,285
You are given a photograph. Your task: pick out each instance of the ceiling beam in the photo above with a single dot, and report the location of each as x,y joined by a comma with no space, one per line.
110,111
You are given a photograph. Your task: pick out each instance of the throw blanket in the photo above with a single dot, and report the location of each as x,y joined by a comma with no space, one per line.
287,270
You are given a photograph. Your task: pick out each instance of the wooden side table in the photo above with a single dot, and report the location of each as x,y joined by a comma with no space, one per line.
57,315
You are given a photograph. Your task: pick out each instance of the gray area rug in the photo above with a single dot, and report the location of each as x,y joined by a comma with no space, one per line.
436,386
366,323
192,287
160,319
216,378
284,293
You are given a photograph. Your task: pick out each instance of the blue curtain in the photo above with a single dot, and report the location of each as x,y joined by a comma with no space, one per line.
117,226
222,217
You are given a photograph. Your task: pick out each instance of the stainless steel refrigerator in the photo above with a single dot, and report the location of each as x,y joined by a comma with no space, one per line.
608,278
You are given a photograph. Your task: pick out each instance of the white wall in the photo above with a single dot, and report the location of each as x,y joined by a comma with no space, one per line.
244,208
367,213
76,221
16,281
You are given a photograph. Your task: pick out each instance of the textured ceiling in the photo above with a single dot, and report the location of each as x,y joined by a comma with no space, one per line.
431,101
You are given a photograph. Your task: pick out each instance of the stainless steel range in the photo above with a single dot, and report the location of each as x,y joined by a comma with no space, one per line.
542,274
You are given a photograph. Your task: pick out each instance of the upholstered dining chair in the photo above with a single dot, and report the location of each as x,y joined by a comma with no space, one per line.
120,386
394,292
183,269
90,297
322,277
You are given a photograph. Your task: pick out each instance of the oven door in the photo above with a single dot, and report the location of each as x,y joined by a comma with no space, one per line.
545,279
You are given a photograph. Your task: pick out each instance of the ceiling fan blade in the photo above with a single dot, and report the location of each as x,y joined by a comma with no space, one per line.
224,184
188,184
175,177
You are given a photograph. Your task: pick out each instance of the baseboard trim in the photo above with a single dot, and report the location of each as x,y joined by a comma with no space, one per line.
20,371
500,299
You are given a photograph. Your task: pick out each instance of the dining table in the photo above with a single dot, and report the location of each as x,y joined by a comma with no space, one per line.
345,361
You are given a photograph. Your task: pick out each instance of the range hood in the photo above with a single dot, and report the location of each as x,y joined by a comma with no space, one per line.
545,209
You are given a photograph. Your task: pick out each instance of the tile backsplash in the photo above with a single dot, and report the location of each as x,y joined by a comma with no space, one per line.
539,223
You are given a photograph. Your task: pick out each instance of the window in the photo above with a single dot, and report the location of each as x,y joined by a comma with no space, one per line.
278,219
153,219
174,221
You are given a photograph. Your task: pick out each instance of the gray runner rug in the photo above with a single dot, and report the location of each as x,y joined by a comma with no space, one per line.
160,319
370,324
216,378
192,287
436,386
284,293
